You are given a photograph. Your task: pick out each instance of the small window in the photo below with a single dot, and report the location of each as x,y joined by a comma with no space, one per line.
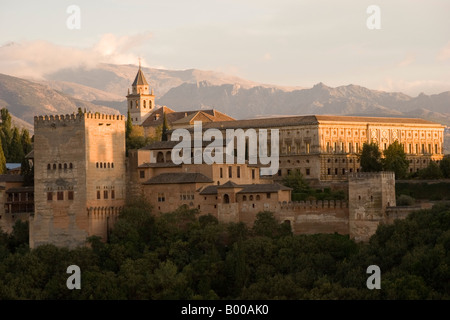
161,197
70,195
112,165
244,198
60,166
109,165
49,196
113,194
142,174
98,194
70,165
230,172
60,195
251,198
221,172
253,173
101,165
96,164
65,166
268,195
308,171
238,172
258,197
49,166
105,194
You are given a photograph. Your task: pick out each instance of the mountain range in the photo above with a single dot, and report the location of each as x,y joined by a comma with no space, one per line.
104,88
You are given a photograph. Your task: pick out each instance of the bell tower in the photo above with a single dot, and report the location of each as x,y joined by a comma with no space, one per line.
141,100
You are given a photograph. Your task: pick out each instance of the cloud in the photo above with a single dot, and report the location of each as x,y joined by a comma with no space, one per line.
413,88
407,60
35,59
444,53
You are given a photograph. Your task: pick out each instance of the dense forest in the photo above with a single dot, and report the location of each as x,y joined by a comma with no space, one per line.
181,255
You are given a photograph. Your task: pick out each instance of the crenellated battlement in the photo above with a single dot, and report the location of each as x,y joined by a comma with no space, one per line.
74,118
370,175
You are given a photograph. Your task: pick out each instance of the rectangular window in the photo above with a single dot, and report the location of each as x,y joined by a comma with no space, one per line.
357,147
307,147
238,172
142,174
385,146
328,147
230,172
113,194
60,195
343,171
98,195
308,171
342,147
268,195
335,171
253,173
429,148
423,148
161,197
410,148
350,147
49,196
105,194
221,172
70,195
335,147
328,171
417,148
435,148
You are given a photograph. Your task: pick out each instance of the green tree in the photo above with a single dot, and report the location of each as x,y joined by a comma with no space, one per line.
129,126
445,166
370,158
432,171
6,131
266,225
25,141
15,149
296,181
2,160
165,128
395,160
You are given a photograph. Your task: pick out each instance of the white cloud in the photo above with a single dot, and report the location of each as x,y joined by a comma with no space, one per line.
37,58
444,53
407,60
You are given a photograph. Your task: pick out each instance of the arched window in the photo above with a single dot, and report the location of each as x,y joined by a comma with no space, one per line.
101,165
96,164
226,198
160,157
258,197
60,166
104,165
65,166
54,166
112,164
150,104
168,156
109,165
251,198
137,104
244,198
145,104
49,166
70,165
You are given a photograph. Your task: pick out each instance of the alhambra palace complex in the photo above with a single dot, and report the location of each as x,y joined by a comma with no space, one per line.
83,176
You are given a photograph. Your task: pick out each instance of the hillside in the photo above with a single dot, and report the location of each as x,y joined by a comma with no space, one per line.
26,99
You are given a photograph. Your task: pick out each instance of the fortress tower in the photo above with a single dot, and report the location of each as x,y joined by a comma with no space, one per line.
140,102
369,195
79,174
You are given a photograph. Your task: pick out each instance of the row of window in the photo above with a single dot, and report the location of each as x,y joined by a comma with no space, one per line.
144,104
238,172
258,197
355,148
104,165
106,194
60,166
344,171
60,195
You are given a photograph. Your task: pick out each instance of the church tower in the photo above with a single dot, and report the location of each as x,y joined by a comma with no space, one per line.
140,101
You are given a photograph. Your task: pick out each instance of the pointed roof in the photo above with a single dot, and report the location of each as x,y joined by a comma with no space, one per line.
140,79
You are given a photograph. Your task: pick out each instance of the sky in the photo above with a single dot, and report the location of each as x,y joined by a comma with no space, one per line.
284,42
